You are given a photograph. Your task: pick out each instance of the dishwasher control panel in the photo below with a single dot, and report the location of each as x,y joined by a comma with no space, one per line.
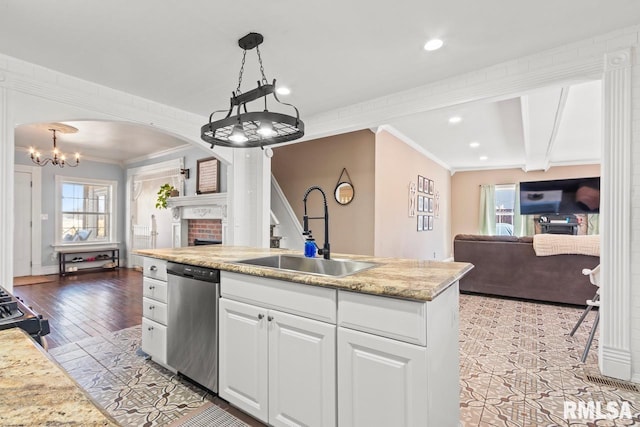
198,273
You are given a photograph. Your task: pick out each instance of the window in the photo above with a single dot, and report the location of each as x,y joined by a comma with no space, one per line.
505,202
85,212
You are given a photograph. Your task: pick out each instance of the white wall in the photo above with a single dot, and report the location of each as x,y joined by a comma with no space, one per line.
634,239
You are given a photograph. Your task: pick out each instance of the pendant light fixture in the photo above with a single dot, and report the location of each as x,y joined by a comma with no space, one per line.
57,158
252,128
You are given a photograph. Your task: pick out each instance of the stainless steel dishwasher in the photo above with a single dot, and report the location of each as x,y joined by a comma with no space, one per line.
192,324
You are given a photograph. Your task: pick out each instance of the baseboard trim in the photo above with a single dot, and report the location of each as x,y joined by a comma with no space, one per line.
615,363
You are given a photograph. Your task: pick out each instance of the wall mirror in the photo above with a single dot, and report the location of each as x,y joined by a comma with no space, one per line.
344,191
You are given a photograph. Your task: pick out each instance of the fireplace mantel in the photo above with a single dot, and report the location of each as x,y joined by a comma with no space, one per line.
205,206
201,200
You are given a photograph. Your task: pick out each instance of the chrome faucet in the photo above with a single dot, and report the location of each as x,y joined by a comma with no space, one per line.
325,251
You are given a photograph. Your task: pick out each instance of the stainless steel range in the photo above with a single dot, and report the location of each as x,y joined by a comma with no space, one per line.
15,314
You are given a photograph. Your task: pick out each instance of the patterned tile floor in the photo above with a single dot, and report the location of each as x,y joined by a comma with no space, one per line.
131,388
518,367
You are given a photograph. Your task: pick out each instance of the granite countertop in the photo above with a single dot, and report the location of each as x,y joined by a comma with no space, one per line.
393,277
35,391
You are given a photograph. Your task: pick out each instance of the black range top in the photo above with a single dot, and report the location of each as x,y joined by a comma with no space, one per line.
14,314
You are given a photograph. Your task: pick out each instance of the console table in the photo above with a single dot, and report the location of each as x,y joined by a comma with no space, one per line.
559,228
87,260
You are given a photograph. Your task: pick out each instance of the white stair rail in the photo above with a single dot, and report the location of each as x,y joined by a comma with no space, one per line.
289,227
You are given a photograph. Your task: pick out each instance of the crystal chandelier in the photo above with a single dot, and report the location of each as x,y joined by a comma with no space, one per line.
57,158
252,128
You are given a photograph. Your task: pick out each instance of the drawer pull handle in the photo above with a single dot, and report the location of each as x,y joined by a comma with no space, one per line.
269,318
152,287
150,328
260,316
151,307
153,268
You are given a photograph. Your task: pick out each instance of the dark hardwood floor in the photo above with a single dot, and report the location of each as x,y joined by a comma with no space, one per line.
87,304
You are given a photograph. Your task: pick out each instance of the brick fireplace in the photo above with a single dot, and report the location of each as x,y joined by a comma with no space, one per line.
206,229
198,217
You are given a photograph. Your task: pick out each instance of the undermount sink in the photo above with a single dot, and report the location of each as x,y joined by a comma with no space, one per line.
319,266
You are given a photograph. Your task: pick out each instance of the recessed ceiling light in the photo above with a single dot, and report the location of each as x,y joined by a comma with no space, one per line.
474,144
433,44
455,119
483,157
283,90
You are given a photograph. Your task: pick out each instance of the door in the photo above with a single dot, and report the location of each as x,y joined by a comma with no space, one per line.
377,381
22,224
243,357
302,371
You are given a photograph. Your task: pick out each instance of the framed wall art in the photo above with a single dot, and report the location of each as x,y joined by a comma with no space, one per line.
412,199
420,184
208,176
420,222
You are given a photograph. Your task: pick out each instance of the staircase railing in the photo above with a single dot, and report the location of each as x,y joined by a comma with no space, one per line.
289,226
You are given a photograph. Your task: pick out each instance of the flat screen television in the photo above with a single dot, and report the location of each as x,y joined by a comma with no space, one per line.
560,196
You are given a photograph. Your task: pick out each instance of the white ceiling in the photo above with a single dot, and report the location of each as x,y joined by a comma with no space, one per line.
331,54
114,142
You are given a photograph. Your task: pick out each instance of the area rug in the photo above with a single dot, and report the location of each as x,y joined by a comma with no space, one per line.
208,415
32,280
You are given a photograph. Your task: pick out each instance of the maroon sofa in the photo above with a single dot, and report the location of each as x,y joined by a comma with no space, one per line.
508,266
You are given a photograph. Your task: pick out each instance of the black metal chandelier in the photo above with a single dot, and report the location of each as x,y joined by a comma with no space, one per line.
246,128
57,158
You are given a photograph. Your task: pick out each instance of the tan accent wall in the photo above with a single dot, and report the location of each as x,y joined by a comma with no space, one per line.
465,189
297,167
396,235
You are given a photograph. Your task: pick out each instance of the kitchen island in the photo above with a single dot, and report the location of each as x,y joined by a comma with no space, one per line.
374,348
394,277
35,391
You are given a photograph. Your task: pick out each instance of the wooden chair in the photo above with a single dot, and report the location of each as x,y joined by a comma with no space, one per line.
594,278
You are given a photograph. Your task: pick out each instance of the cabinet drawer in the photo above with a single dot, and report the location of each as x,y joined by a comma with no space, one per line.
154,310
387,317
154,340
154,289
155,268
304,300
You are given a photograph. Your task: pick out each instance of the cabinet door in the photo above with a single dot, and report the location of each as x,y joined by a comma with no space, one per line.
243,360
302,371
154,340
381,382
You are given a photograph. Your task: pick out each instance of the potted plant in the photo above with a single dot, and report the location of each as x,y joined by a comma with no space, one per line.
166,191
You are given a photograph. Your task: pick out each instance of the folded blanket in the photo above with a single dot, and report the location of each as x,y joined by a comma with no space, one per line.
558,244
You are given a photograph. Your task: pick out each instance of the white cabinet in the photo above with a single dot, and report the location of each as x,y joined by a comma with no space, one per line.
398,361
302,371
154,309
378,381
243,363
278,367
293,354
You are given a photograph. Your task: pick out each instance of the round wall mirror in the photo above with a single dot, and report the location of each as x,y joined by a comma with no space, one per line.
344,193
